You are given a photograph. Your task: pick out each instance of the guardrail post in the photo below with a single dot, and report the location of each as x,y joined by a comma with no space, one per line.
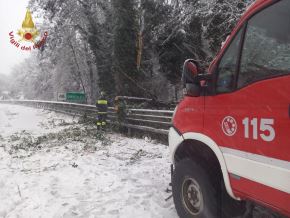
129,132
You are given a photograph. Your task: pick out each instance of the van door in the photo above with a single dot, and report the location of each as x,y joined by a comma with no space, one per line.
249,115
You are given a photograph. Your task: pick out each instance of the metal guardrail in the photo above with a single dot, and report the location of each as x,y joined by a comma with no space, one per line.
153,121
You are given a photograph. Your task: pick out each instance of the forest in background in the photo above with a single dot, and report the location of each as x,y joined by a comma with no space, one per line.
122,47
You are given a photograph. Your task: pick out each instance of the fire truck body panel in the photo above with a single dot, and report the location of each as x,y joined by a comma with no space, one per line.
247,127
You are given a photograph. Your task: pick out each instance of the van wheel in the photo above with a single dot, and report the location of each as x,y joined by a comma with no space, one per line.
195,194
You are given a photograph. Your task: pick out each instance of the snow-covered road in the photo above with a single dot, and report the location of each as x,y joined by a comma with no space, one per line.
53,166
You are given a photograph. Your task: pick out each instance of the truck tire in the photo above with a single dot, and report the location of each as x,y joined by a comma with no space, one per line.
195,194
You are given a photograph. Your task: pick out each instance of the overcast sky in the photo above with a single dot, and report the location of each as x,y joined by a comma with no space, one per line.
12,14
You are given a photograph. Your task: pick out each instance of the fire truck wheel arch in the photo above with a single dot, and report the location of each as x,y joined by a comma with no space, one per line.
175,140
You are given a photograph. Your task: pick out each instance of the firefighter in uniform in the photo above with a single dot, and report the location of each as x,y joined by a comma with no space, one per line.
102,106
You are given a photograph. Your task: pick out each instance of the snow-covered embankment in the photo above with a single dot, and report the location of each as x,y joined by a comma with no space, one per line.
53,166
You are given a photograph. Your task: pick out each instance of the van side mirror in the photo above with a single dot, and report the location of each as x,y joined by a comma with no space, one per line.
190,79
190,71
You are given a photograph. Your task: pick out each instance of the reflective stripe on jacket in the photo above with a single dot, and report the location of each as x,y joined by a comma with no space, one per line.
102,102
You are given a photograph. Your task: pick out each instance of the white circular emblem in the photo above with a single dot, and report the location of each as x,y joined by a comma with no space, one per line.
229,126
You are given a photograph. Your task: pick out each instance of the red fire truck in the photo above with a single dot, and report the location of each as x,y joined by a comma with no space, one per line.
230,140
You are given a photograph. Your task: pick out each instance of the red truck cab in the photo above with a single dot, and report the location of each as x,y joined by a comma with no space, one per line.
234,133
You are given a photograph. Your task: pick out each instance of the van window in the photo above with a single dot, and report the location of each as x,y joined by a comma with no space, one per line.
266,51
228,66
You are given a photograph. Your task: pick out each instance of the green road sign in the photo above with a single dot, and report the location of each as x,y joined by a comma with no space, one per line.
76,97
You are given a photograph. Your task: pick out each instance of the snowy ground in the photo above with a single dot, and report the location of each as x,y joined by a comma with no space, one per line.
53,166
